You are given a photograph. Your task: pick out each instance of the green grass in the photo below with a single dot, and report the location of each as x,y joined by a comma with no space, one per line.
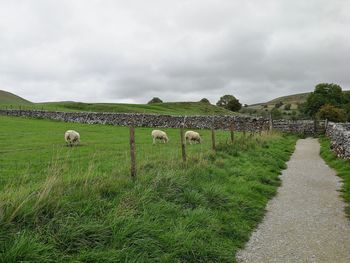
170,108
7,98
62,204
341,166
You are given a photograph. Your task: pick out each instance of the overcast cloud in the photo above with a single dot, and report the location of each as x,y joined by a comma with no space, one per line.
184,50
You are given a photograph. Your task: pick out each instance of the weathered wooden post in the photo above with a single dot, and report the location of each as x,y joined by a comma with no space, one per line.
132,152
213,144
315,125
232,127
244,128
270,122
183,142
325,125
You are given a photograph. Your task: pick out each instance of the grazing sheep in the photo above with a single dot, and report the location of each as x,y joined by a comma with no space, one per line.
192,136
72,137
160,135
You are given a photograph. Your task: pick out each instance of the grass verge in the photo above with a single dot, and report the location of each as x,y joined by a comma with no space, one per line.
341,166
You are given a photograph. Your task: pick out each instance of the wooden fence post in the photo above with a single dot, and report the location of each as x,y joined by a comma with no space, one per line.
315,126
232,132
244,129
270,123
132,152
213,139
183,142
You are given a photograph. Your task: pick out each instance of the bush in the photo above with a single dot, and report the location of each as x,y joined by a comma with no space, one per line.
287,106
332,113
155,100
278,105
205,100
276,114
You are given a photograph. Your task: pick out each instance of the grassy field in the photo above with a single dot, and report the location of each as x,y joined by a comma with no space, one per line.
62,204
170,108
342,167
12,101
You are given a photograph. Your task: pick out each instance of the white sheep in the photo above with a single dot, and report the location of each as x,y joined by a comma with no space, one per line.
193,136
160,135
72,137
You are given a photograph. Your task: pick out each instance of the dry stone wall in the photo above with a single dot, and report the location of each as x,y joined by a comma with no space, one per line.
239,123
339,134
147,120
308,127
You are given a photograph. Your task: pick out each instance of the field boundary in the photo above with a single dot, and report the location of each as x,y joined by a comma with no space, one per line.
222,122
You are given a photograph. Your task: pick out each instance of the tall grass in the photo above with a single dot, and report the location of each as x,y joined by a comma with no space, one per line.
342,167
61,204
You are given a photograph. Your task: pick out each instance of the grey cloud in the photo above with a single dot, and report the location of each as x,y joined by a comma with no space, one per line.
178,50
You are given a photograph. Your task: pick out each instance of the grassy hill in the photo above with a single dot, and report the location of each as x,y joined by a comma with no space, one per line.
171,108
7,98
295,100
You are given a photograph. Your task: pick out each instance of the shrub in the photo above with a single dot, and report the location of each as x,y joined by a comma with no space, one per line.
276,114
205,100
278,104
155,100
332,113
287,106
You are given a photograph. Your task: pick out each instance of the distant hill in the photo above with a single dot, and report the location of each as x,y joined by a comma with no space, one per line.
293,99
170,108
12,99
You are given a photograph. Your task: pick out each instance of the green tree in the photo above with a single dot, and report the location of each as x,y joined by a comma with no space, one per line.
229,102
155,100
287,106
205,100
276,114
324,93
332,113
279,104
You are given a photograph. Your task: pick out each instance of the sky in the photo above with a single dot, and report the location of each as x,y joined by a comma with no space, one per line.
183,50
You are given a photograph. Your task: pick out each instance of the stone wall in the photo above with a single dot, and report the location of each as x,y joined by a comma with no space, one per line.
308,127
339,134
147,120
194,122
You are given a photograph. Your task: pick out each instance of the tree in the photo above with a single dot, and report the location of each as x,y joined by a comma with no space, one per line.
287,106
279,104
276,114
324,93
332,113
205,100
155,100
229,102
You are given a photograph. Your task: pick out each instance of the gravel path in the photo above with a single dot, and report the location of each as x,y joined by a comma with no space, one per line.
305,222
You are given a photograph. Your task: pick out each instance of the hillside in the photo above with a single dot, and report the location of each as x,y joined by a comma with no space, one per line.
172,108
12,99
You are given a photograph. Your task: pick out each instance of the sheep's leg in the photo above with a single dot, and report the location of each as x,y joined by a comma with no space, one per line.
154,141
